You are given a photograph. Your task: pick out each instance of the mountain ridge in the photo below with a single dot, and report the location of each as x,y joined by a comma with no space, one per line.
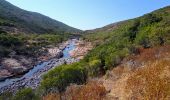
15,19
111,26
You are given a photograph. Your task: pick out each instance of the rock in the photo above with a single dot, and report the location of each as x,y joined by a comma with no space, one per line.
18,70
3,78
59,54
4,74
33,81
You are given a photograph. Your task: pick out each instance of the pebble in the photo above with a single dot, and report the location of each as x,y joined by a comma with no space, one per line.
34,81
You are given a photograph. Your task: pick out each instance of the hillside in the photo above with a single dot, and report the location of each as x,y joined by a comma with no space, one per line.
129,60
25,38
156,22
113,44
16,20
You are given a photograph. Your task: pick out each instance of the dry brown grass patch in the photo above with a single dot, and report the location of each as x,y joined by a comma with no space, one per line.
52,96
91,91
149,82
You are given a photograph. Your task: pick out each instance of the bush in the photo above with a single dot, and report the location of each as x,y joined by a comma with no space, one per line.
150,19
59,78
95,68
6,96
26,94
9,40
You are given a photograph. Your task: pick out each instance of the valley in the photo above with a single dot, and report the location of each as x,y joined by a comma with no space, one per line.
45,59
32,78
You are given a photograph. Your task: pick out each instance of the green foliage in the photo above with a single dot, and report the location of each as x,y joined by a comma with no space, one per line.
26,94
112,45
30,22
6,96
60,77
150,19
9,40
94,68
28,45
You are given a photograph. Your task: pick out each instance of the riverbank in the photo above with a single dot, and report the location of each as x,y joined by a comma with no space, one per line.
17,65
33,77
82,48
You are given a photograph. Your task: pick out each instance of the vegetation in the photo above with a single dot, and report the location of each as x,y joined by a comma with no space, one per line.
29,22
26,94
28,45
6,96
61,77
27,32
90,91
147,31
112,46
151,81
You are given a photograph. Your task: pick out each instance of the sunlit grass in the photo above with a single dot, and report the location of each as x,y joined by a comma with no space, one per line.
152,82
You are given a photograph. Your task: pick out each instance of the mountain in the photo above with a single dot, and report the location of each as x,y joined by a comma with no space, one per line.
128,57
162,12
149,26
129,60
14,19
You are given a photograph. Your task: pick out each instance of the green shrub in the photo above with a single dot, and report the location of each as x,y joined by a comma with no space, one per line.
95,67
113,44
149,19
9,40
26,94
6,96
59,78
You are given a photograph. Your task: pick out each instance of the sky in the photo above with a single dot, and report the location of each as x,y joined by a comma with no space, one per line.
91,14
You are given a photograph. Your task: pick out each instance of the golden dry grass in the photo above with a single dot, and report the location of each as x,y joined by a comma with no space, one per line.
90,91
52,96
150,82
148,78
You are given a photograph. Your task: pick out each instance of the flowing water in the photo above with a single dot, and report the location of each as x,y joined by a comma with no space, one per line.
40,66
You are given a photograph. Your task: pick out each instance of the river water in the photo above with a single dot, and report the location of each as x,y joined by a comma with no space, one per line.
39,69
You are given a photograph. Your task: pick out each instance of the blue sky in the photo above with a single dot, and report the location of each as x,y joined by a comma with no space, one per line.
90,14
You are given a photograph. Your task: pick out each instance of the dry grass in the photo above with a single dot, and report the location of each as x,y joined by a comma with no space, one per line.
150,82
52,96
140,77
91,91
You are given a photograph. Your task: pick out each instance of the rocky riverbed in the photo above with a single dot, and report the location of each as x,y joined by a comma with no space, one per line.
16,65
81,49
33,77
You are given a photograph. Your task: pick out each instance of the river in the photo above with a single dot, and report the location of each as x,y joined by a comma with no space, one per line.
33,77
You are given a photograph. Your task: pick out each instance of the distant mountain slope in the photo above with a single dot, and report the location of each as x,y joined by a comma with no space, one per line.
154,24
164,13
14,19
113,44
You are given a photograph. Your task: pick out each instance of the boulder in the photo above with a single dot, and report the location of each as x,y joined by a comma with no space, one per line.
18,70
